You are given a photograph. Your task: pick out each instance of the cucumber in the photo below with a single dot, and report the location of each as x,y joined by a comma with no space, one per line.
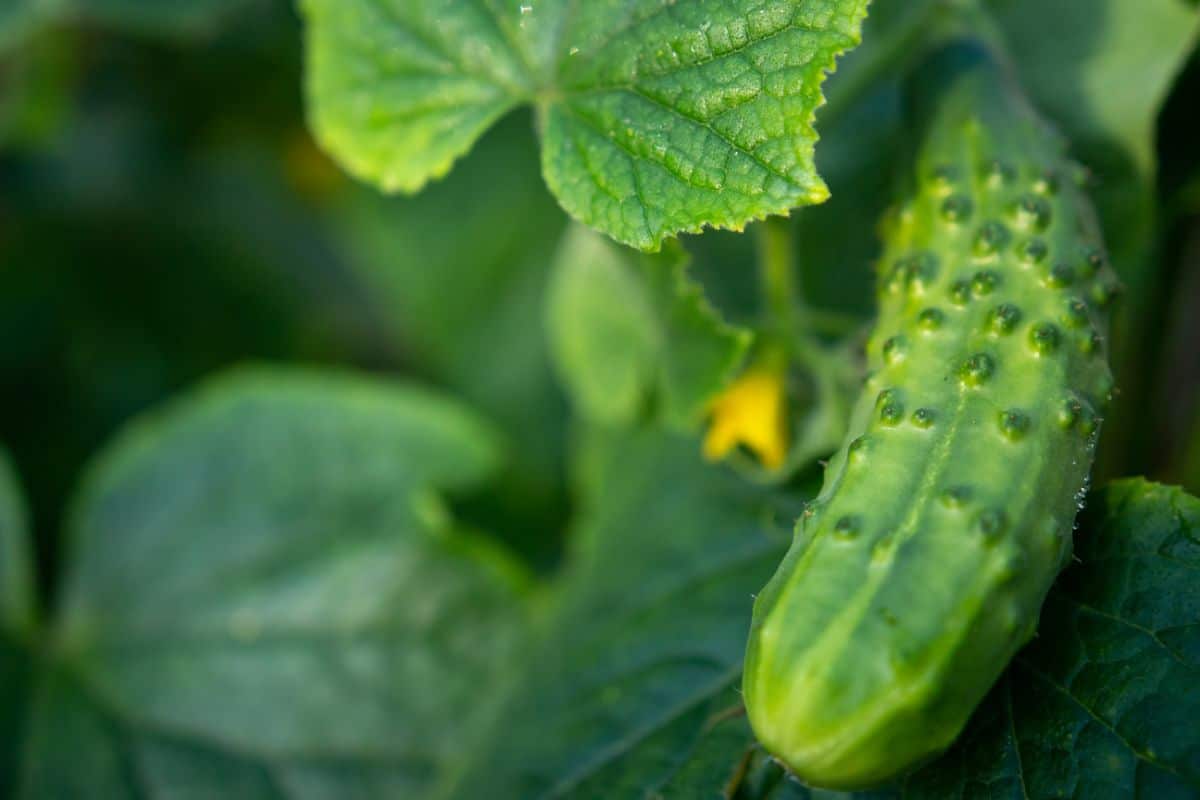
920,568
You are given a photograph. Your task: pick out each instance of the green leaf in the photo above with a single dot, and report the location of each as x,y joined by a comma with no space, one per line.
625,327
645,643
657,117
602,328
1117,659
456,276
267,598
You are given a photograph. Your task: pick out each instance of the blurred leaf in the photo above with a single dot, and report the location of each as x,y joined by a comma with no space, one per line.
626,695
268,598
36,85
1102,69
655,121
171,17
625,326
602,329
458,276
17,19
646,641
158,240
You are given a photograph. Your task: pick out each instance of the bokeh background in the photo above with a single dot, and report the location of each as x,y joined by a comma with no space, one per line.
164,214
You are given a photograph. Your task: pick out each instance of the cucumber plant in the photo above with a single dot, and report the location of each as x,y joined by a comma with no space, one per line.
726,460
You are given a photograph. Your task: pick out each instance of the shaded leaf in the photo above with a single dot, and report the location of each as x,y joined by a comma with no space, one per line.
657,117
645,644
625,327
1102,704
267,596
458,277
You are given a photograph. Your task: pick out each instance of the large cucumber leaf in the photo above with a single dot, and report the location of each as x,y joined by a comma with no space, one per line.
645,644
658,116
267,598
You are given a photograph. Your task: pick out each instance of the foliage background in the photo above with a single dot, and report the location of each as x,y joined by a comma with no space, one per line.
164,214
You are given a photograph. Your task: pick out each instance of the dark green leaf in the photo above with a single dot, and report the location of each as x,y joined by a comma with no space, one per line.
657,117
645,644
267,598
625,326
1104,702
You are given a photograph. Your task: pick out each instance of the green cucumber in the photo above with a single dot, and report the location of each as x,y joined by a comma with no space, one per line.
920,569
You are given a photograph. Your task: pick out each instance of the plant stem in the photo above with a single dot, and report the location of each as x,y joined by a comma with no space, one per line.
777,274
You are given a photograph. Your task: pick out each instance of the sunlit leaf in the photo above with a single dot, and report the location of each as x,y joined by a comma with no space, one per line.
657,117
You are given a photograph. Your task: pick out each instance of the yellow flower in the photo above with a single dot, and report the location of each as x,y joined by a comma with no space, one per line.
750,413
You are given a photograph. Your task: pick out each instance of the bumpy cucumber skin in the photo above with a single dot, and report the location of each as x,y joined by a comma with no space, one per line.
920,569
